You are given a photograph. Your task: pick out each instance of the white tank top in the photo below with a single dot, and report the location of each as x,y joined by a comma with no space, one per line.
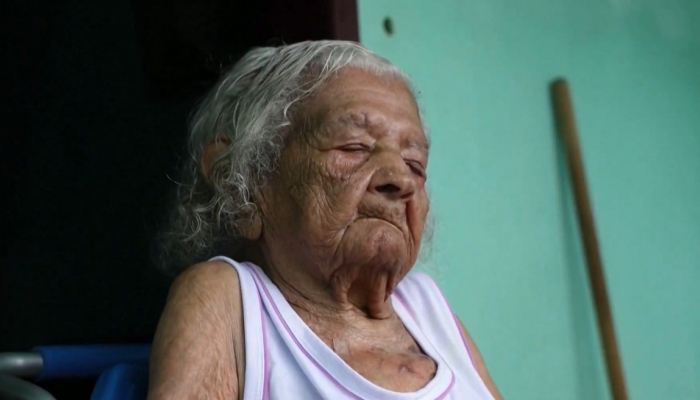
285,360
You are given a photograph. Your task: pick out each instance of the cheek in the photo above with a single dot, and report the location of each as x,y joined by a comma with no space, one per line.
295,182
326,189
417,214
343,184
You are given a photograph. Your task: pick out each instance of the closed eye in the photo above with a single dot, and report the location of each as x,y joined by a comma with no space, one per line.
416,168
354,148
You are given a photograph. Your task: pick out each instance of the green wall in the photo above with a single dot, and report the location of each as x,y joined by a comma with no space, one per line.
506,249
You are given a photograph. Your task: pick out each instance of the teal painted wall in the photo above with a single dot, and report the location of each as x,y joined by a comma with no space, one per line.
506,247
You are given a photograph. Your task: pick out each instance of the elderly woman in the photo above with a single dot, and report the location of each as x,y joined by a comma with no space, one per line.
308,168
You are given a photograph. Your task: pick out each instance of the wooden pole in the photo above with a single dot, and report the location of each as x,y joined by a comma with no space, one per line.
567,126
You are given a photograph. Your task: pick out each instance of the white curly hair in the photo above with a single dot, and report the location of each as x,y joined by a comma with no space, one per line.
252,106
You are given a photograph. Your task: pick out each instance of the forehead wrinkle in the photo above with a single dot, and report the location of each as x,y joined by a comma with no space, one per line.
354,119
351,119
361,119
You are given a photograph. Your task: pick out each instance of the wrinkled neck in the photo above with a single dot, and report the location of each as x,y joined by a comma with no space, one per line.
339,297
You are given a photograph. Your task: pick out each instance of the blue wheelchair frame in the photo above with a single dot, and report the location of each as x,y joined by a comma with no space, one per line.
122,370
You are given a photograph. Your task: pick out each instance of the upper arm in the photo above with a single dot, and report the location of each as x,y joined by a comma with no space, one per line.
198,346
480,364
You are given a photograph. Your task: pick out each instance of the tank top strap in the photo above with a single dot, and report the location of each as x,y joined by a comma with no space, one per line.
256,349
426,303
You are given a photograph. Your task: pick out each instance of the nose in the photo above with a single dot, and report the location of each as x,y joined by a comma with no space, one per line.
393,180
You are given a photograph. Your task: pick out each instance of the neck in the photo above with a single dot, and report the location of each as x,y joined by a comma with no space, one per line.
344,327
338,298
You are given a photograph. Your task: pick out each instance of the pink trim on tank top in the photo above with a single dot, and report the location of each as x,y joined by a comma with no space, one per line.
266,367
449,388
410,313
464,340
459,328
289,331
454,317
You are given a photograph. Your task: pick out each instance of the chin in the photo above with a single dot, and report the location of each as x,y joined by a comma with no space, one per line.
375,243
387,245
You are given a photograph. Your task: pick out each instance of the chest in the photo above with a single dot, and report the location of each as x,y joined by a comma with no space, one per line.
398,370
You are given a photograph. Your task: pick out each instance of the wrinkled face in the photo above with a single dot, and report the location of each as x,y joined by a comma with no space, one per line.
349,198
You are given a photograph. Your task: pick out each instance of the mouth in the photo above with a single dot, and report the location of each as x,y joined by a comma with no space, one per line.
391,214
395,226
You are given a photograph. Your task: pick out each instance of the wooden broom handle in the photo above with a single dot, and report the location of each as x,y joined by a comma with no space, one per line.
567,126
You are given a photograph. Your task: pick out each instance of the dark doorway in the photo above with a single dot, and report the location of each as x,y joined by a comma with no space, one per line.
93,113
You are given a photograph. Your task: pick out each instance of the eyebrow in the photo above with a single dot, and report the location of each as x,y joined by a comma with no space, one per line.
354,119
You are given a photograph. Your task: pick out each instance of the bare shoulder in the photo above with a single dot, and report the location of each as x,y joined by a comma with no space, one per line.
208,279
198,347
480,364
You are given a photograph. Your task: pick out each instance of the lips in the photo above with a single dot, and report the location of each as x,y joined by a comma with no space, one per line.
390,214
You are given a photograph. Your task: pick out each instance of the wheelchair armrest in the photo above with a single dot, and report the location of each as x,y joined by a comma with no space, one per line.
89,360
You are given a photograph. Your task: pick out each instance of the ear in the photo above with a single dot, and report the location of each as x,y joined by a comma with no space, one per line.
251,228
211,152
